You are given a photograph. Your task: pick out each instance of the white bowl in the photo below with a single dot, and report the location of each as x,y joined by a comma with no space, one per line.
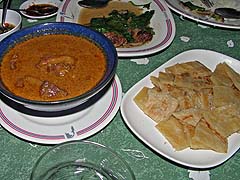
14,18
29,3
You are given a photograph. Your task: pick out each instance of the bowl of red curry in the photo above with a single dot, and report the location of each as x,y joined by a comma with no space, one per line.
55,66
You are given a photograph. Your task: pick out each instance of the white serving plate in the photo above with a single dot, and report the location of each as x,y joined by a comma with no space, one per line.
144,128
162,23
54,130
228,23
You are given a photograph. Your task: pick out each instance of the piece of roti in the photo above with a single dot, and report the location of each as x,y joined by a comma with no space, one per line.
163,80
189,131
220,77
225,120
206,138
189,116
157,105
224,95
234,76
194,68
205,99
187,98
173,131
186,80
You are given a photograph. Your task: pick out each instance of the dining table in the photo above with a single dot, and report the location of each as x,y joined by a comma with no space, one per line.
18,155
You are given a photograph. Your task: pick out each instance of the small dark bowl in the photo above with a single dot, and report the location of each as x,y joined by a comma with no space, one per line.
61,28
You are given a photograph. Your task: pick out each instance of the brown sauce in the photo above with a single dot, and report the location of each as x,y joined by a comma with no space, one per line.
8,27
41,10
87,14
53,67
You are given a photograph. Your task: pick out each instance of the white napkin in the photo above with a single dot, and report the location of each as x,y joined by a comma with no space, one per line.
199,175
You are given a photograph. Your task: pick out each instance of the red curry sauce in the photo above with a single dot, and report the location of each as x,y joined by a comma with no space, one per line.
53,67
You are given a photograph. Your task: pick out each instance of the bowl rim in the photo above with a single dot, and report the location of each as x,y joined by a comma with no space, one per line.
45,29
97,145
16,25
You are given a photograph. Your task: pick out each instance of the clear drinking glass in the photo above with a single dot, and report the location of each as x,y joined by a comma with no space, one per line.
83,160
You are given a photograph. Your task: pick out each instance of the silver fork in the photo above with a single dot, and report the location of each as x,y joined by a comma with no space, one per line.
208,3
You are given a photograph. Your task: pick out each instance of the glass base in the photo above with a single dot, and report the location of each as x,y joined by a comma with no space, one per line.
77,170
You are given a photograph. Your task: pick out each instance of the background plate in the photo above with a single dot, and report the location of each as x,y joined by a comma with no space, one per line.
162,23
144,128
228,23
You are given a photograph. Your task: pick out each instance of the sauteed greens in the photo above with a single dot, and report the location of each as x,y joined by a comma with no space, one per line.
125,27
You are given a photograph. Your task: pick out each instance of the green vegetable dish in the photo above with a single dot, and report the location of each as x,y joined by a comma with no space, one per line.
124,28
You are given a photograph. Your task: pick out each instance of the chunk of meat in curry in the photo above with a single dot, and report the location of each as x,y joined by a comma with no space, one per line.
60,65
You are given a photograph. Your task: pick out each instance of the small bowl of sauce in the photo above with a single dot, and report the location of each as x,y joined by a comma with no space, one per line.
12,23
40,9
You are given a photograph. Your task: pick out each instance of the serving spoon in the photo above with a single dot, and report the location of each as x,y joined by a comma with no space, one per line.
4,13
93,3
228,13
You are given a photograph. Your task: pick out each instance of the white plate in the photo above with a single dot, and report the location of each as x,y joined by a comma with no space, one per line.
162,23
228,23
53,130
28,3
144,128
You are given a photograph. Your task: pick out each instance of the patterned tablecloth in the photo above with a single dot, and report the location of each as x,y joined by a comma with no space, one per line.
18,156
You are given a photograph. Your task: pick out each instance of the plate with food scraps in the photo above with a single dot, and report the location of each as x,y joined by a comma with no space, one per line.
144,127
75,126
197,11
154,17
40,9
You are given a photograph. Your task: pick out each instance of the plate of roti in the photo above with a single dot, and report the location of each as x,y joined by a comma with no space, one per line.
188,109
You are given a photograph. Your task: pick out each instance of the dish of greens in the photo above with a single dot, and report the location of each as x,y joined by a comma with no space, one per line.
134,35
124,28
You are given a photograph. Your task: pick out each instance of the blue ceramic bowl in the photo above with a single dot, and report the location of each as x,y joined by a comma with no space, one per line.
61,28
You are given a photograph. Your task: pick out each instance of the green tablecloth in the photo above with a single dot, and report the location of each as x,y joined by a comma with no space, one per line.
18,156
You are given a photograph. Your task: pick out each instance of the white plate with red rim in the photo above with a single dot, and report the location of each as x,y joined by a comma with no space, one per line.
29,3
228,23
54,130
162,23
144,127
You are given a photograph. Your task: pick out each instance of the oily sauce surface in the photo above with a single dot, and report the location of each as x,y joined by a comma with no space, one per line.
41,10
53,67
8,27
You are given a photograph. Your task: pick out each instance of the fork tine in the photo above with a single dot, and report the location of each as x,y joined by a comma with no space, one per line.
207,3
211,3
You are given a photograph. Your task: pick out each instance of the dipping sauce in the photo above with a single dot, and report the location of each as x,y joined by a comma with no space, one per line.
8,27
53,67
41,10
